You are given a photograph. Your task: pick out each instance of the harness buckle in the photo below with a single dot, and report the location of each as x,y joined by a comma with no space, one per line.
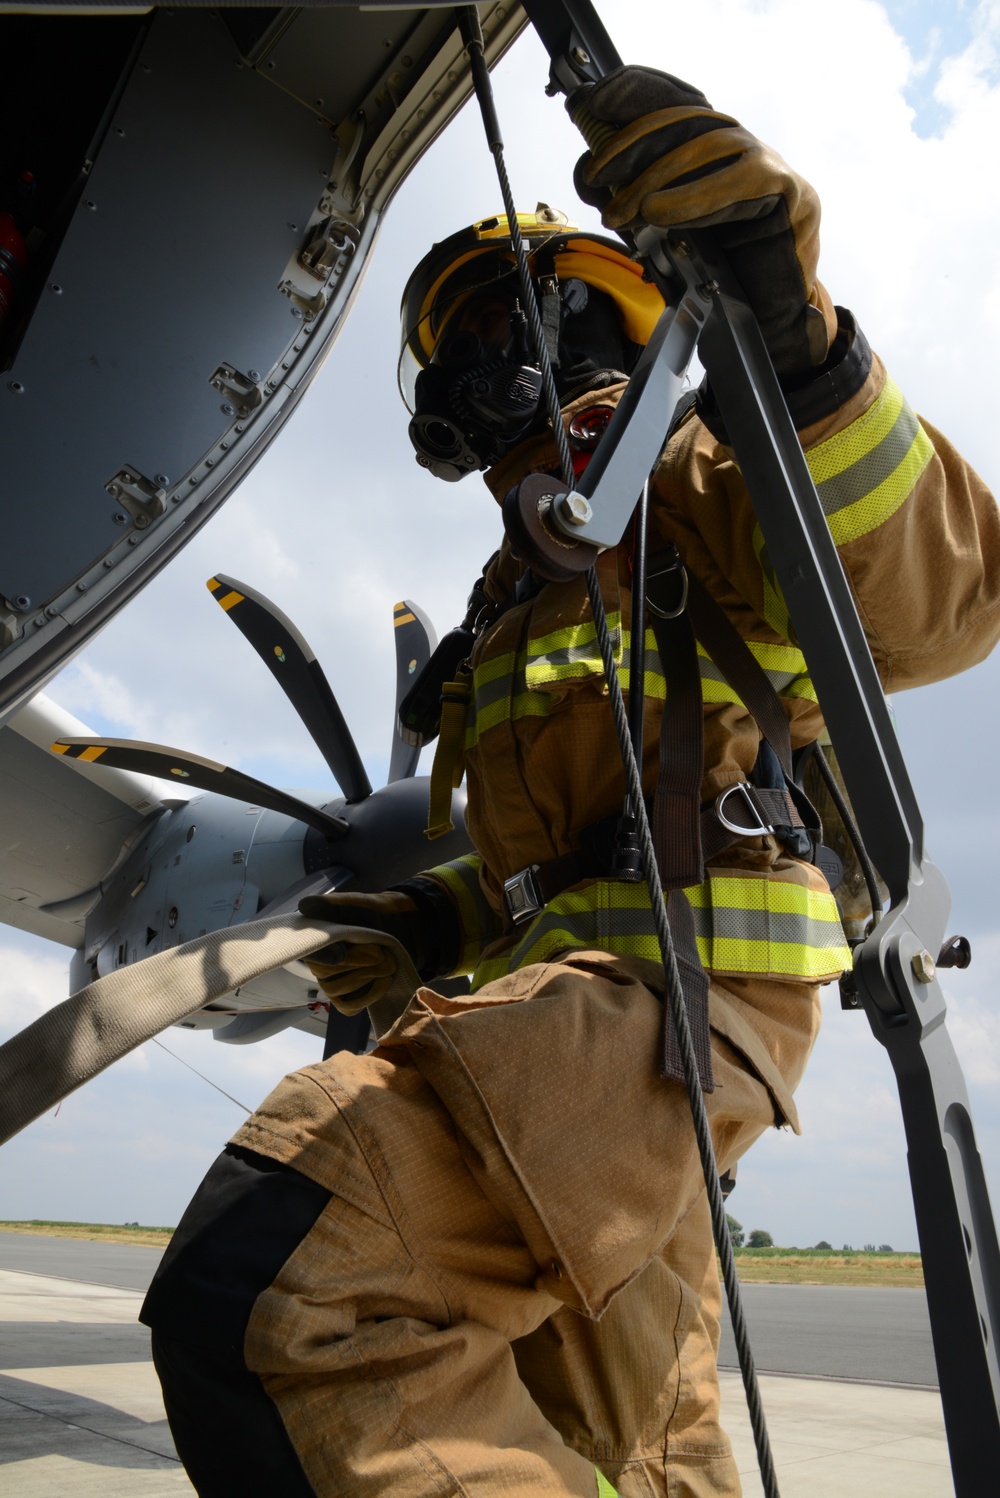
676,566
760,827
522,896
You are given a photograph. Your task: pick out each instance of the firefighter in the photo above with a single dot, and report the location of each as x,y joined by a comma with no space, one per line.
479,1260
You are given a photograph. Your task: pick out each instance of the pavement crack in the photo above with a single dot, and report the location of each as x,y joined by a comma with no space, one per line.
76,1425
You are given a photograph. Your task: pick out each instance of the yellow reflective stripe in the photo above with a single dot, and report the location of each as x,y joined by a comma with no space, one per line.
863,475
842,450
775,608
502,690
570,652
761,925
753,925
882,502
477,920
604,1488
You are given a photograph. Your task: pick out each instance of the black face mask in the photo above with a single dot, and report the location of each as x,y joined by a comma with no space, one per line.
473,406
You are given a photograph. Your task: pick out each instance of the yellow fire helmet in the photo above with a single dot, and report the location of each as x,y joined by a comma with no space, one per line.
480,257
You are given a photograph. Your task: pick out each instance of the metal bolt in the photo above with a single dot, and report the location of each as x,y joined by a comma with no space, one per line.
227,409
708,288
119,130
15,387
923,966
50,612
575,509
253,374
114,490
119,518
142,521
81,587
38,621
23,603
297,312
91,205
109,561
161,479
55,288
580,57
224,446
293,227
133,540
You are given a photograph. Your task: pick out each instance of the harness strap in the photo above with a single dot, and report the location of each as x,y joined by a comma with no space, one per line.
449,757
744,673
676,819
99,1024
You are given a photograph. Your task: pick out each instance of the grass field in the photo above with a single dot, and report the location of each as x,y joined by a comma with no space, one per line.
826,1266
105,1232
756,1266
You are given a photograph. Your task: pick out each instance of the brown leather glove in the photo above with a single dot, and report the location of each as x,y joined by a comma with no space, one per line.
675,162
353,975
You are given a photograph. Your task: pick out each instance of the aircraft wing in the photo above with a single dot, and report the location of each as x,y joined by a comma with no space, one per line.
194,218
64,826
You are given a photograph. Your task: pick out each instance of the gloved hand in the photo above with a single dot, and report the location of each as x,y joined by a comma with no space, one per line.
354,975
674,162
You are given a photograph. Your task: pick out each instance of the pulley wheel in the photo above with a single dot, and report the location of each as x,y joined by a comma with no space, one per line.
536,539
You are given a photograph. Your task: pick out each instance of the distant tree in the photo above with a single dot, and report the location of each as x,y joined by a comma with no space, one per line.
848,1249
869,1248
735,1231
885,1248
823,1244
760,1239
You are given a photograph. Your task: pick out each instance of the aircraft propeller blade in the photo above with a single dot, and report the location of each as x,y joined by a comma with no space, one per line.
286,654
191,769
415,640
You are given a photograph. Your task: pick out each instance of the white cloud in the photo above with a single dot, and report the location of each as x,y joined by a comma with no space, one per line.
31,981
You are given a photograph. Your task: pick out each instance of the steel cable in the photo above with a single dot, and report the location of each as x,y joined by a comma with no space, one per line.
469,23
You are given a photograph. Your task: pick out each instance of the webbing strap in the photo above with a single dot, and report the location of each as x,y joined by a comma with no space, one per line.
449,756
744,673
694,981
71,1043
676,820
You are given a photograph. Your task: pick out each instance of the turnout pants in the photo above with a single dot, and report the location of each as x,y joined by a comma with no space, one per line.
478,1261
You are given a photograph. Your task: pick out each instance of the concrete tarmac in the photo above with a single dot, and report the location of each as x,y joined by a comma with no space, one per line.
80,1408
838,1331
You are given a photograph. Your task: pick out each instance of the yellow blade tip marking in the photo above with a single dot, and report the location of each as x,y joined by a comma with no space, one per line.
93,752
230,601
58,748
402,619
212,584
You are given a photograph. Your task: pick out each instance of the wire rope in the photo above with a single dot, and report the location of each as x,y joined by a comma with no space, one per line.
472,36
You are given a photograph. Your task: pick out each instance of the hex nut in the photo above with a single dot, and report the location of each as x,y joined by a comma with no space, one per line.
924,967
576,509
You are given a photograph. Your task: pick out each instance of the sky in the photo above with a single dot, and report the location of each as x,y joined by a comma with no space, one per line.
889,110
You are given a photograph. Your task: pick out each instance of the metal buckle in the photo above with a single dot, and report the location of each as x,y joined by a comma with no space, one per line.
521,895
760,829
675,566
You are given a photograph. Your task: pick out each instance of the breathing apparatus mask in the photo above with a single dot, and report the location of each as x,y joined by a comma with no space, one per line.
476,399
468,372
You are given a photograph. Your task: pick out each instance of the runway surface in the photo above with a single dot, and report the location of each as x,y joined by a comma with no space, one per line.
81,1415
827,1331
838,1331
